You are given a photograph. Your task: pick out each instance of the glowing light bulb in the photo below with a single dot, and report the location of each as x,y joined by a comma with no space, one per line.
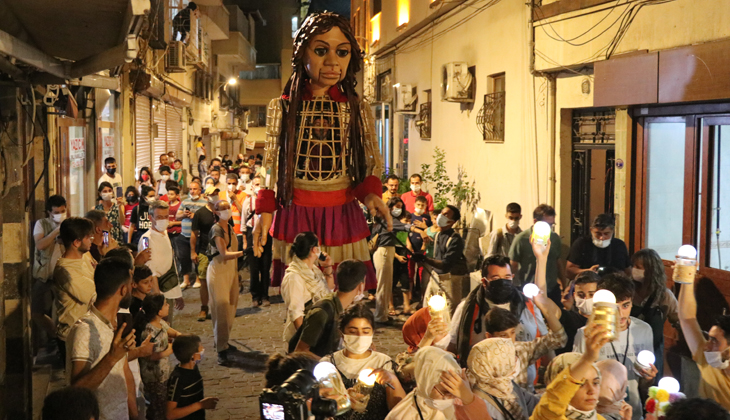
437,303
646,358
232,81
530,290
323,370
670,384
366,378
604,296
687,251
542,229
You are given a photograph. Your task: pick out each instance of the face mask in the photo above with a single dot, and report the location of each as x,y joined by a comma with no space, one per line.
442,221
714,359
637,274
150,200
244,177
213,199
161,225
513,224
415,188
256,189
165,177
601,244
231,187
195,197
396,212
440,405
58,218
500,291
225,215
145,177
360,296
111,171
107,196
418,211
585,306
357,344
132,199
202,352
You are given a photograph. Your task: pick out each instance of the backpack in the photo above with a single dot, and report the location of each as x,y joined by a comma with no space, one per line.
329,307
42,260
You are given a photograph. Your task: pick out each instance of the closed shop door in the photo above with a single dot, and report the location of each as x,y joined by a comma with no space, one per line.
174,130
142,129
159,131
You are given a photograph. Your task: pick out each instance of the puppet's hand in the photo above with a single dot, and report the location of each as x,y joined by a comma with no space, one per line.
376,207
261,233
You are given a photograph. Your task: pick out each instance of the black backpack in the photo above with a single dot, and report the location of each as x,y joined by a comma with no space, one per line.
322,348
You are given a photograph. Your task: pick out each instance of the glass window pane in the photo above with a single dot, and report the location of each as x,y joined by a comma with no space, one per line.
719,229
665,187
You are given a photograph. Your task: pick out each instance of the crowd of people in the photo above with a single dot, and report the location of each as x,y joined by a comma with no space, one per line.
115,279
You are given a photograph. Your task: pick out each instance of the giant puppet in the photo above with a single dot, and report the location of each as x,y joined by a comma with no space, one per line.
320,152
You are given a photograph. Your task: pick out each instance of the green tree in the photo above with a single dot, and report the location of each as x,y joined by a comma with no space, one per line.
438,180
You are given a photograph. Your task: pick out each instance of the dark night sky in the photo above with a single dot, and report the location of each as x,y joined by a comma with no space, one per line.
338,6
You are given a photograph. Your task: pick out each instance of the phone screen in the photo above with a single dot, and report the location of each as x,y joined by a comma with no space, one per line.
120,192
106,238
144,244
272,411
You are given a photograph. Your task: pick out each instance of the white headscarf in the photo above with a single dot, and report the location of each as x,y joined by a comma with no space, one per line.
493,364
430,362
313,278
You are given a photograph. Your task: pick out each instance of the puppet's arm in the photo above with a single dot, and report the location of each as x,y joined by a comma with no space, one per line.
372,150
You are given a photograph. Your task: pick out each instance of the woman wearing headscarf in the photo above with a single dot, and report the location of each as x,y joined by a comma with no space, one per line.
575,382
614,380
493,366
439,386
420,330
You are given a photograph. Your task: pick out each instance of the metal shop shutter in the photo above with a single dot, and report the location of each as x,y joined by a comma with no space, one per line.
174,130
159,142
142,131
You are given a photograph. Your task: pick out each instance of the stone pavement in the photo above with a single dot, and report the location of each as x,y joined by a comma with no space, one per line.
257,334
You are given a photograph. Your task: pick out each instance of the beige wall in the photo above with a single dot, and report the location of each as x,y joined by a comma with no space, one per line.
515,170
259,92
657,27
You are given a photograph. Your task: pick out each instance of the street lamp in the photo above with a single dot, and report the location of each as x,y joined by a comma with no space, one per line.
230,82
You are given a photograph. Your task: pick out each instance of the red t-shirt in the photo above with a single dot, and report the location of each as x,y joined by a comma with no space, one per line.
128,212
409,199
173,212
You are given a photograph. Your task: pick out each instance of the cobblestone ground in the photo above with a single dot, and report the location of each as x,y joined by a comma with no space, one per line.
257,334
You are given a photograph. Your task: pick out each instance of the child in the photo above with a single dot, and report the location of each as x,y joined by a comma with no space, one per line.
174,227
432,231
400,265
155,369
416,244
162,183
177,174
185,396
141,287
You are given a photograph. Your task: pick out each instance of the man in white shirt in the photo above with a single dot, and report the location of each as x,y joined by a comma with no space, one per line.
97,349
48,251
111,176
635,335
162,262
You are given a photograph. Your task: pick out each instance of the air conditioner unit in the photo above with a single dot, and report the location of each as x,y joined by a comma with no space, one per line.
456,82
175,58
405,98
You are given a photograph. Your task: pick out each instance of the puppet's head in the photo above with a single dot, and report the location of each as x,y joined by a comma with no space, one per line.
326,52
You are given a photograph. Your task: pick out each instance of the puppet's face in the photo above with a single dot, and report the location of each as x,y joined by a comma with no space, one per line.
327,57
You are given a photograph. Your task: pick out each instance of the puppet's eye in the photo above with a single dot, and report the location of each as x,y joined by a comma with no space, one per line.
320,51
343,53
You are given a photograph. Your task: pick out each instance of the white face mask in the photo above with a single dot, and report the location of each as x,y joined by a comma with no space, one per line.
107,196
360,296
442,220
195,197
440,405
357,344
714,359
165,177
585,306
637,274
202,352
58,218
244,177
224,215
150,200
231,187
513,224
418,211
256,189
213,199
601,244
396,212
161,225
415,188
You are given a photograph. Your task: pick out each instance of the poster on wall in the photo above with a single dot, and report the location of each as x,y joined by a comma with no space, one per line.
77,152
107,148
250,144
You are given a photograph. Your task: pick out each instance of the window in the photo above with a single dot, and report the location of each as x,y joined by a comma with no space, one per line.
490,119
294,26
403,13
375,29
257,116
719,197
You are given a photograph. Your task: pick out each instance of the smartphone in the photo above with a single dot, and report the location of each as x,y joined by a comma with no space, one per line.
106,238
120,192
144,243
322,257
